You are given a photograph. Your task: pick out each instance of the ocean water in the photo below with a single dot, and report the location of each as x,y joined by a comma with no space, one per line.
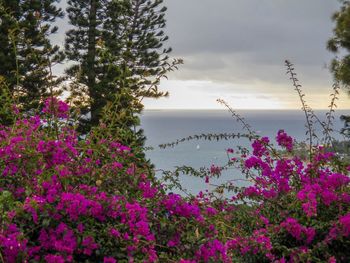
165,126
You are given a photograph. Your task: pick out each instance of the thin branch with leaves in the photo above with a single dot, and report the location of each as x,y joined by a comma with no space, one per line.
238,117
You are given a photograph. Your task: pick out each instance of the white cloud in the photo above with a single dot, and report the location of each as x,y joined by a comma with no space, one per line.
194,94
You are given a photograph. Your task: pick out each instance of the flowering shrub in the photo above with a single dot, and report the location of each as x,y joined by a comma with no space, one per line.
69,200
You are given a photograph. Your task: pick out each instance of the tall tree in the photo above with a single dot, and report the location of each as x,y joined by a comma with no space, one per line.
26,53
116,45
86,17
340,44
135,47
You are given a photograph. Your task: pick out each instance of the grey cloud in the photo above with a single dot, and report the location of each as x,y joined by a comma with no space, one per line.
197,26
248,40
245,69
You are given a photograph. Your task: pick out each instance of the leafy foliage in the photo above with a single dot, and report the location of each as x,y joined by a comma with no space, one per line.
121,116
6,104
340,41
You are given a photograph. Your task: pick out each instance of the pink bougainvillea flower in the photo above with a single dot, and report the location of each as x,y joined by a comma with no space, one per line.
56,108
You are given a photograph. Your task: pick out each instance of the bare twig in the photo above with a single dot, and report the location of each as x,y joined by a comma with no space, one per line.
306,109
332,106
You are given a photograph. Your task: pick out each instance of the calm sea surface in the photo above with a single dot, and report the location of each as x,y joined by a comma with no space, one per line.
166,126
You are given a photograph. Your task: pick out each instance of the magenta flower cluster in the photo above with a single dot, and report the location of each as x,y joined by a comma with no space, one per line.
56,108
284,140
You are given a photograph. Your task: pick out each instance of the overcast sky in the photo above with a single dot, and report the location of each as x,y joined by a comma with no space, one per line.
235,50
